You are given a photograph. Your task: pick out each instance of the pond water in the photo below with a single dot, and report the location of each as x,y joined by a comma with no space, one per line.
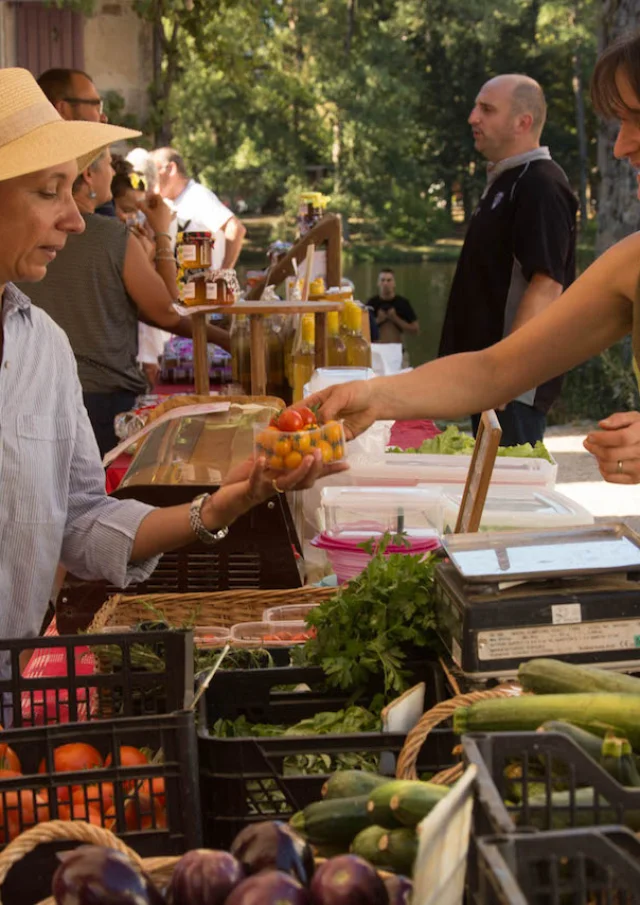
426,285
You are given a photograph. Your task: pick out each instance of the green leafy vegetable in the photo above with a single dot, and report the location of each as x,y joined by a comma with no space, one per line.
453,442
371,624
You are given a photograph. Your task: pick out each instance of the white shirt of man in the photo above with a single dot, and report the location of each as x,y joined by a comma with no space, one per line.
199,210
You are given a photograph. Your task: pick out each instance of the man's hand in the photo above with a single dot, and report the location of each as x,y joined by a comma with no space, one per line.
252,482
617,448
350,402
381,316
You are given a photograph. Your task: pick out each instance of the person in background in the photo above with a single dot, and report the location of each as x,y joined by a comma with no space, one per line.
98,287
54,504
198,209
128,190
75,97
600,308
393,313
519,252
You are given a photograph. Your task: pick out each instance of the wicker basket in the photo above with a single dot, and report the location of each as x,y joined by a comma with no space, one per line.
223,608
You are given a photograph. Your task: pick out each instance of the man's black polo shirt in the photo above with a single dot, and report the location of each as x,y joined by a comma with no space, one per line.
524,224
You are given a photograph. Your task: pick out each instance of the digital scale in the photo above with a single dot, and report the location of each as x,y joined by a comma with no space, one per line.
503,598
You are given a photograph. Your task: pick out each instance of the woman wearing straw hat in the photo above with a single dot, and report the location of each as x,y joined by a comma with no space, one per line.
53,504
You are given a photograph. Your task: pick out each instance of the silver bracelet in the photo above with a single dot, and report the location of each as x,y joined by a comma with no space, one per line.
197,525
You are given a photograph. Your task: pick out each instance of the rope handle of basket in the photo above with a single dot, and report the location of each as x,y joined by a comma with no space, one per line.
406,768
61,831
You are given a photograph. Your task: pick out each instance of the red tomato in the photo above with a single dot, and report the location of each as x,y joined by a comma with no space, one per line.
9,760
79,810
290,421
75,756
19,810
308,418
129,757
93,795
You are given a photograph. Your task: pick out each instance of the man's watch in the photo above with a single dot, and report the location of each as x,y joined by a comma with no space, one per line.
197,525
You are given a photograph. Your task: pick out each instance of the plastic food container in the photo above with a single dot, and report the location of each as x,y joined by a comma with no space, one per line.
211,636
509,508
292,612
411,469
348,559
328,377
348,512
285,450
269,634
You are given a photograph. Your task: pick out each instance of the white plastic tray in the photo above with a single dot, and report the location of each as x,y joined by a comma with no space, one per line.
409,469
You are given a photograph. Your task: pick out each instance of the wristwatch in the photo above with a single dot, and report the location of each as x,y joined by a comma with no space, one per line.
197,525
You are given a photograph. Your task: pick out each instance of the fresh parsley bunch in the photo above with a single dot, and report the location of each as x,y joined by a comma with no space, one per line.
372,622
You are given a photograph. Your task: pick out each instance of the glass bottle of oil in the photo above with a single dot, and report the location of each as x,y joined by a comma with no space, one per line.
274,353
240,341
304,355
291,331
336,348
358,348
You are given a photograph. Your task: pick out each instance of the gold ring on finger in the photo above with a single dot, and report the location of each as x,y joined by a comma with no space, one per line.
619,468
274,484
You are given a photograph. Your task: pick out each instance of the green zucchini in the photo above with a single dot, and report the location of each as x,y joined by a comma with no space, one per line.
618,760
379,806
336,821
591,744
366,843
399,849
559,810
598,713
351,783
412,804
297,822
544,676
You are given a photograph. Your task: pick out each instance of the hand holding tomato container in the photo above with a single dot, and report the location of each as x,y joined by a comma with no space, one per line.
294,434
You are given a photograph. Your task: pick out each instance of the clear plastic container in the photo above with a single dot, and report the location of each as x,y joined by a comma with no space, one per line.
210,636
353,511
348,559
269,634
284,450
328,377
411,469
512,508
292,612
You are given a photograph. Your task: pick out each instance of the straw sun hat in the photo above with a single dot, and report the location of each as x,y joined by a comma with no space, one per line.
33,135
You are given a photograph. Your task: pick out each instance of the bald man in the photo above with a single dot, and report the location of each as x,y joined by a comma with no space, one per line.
519,252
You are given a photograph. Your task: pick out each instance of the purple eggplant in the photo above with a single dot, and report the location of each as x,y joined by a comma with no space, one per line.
95,875
271,887
399,889
347,880
204,877
274,845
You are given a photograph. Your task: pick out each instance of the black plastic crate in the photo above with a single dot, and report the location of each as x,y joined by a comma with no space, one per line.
521,773
125,690
574,867
156,806
244,780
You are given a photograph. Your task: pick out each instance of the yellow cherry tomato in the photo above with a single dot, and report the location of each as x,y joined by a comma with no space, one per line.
302,443
326,450
332,432
282,448
338,452
293,460
267,439
275,462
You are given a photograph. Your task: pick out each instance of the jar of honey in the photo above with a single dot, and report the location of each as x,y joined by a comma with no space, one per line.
219,293
193,291
194,252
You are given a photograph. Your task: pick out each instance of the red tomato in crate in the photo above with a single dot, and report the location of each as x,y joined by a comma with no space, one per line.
74,756
20,810
129,757
9,760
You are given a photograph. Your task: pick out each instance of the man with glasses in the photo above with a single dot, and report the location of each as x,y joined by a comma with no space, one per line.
73,94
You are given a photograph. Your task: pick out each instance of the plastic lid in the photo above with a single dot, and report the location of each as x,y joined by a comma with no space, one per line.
520,507
375,498
325,541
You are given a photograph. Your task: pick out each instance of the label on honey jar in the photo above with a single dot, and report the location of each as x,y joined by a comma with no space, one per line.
212,292
188,291
188,253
